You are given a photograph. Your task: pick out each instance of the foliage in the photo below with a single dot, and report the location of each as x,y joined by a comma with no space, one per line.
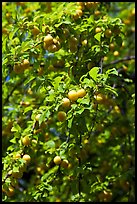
48,50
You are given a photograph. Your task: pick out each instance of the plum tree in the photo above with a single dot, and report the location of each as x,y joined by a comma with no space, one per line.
68,101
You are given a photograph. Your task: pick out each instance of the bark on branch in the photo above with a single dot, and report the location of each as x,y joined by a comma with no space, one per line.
120,60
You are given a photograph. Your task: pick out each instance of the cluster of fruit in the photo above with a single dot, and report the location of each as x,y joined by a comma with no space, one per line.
20,67
63,163
10,190
82,6
66,102
51,44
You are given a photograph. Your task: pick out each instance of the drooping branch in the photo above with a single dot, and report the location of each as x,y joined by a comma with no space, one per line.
119,60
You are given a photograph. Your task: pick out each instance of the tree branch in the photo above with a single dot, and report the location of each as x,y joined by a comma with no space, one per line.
16,86
120,60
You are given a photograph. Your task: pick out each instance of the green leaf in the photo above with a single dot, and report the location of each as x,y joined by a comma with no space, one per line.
50,144
88,82
26,45
70,122
29,80
112,71
13,140
12,33
43,116
51,171
16,128
28,109
80,111
94,72
111,89
83,101
56,82
98,36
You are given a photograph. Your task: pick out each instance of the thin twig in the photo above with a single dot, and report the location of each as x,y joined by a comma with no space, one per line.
120,60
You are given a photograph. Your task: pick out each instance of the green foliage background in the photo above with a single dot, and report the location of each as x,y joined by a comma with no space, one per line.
97,137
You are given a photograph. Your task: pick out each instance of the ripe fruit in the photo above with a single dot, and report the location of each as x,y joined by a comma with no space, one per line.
52,48
61,116
37,117
73,42
72,95
84,42
65,32
18,69
57,160
35,30
58,200
17,156
64,163
133,12
86,141
59,63
48,40
10,191
108,33
97,13
117,109
78,14
81,93
65,102
99,97
127,21
26,157
116,53
105,196
40,71
25,64
24,103
4,31
98,30
26,140
17,174
111,46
